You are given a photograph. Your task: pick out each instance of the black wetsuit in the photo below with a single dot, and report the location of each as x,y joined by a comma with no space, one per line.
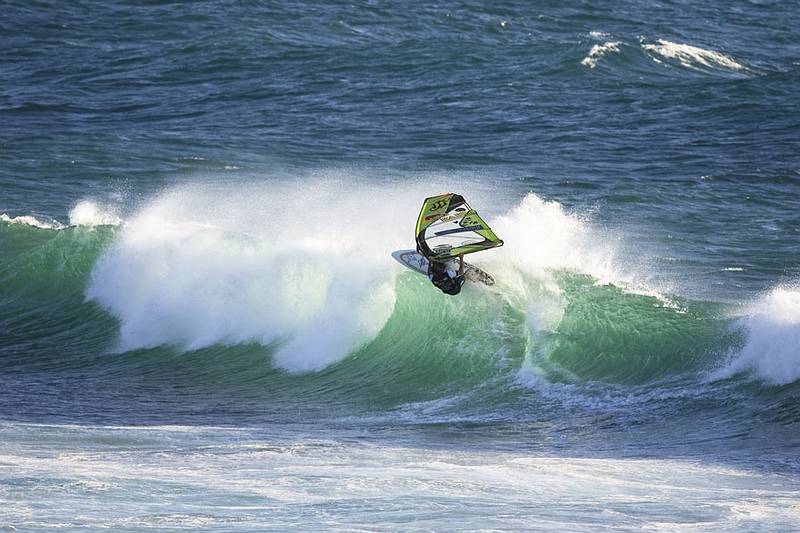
439,276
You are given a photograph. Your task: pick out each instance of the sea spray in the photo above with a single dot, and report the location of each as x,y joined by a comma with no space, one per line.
772,349
90,213
598,51
304,267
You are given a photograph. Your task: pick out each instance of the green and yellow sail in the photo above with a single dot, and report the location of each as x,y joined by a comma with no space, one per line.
448,227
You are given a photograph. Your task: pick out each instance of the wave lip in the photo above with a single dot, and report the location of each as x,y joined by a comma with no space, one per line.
598,51
772,349
30,220
692,57
85,213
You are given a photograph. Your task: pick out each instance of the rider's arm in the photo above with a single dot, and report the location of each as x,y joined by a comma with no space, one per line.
461,265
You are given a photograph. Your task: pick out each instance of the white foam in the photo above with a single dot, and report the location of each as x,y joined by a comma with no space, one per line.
772,348
540,236
599,50
693,56
88,213
29,220
235,479
307,267
85,213
542,240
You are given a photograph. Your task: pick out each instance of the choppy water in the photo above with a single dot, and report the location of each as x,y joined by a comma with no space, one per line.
201,325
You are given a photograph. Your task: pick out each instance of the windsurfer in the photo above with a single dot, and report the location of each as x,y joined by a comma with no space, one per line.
446,275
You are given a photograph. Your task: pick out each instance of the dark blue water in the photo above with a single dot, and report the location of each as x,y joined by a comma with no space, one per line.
201,325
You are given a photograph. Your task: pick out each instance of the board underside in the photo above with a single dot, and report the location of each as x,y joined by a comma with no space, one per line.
418,263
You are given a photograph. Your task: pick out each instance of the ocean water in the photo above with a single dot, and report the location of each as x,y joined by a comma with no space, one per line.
201,325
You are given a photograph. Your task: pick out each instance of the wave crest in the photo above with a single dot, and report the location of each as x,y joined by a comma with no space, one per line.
772,349
30,220
692,57
599,50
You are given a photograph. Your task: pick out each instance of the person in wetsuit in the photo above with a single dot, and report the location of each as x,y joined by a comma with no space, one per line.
443,275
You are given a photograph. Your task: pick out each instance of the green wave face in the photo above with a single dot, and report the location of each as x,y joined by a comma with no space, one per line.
611,335
43,310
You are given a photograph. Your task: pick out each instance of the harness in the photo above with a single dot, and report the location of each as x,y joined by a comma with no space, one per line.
442,279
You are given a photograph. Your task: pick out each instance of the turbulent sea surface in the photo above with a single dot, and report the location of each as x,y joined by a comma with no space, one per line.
201,325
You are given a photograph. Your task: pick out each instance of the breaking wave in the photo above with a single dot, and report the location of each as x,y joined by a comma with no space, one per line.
692,57
651,57
300,279
89,213
772,349
598,51
198,267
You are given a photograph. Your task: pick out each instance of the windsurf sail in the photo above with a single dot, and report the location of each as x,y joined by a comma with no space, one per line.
448,227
